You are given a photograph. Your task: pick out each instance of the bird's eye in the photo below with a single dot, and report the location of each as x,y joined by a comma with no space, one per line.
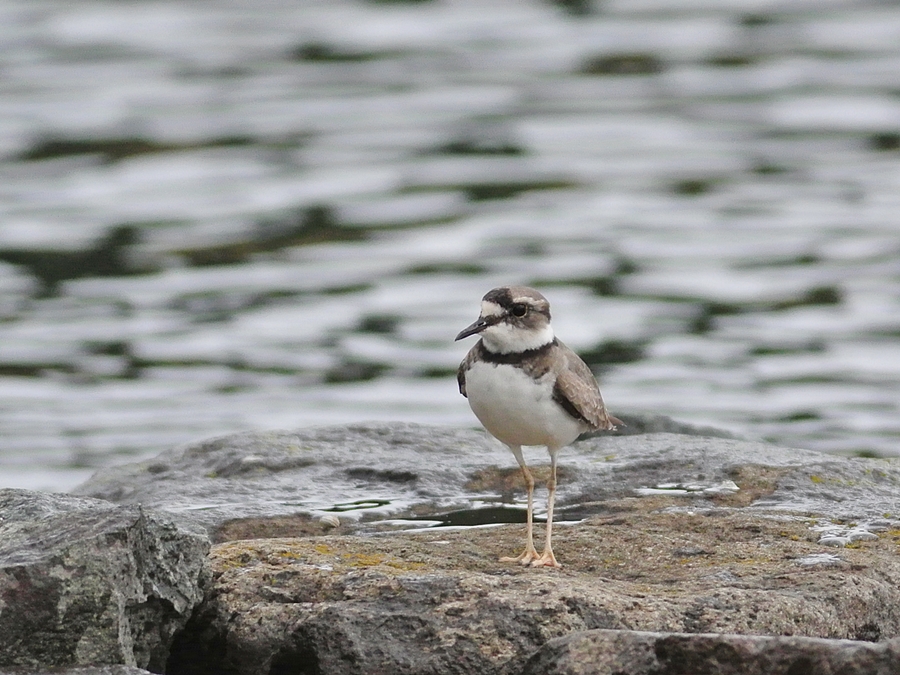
519,309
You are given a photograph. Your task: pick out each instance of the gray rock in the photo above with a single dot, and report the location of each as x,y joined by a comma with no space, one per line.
86,582
668,533
611,652
439,601
368,472
352,471
88,670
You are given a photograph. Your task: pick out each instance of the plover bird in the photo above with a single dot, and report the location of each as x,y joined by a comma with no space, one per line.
527,388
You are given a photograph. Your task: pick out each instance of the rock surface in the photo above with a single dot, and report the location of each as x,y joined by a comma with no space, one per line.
608,652
86,670
85,582
439,601
329,560
284,483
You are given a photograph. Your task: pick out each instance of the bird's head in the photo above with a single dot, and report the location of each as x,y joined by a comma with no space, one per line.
513,319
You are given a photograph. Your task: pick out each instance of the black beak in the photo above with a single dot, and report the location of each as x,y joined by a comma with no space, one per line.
476,327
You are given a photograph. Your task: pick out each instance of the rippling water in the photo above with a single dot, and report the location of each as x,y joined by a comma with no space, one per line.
230,215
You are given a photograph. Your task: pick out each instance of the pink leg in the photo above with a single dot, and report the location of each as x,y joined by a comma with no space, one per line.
529,554
547,559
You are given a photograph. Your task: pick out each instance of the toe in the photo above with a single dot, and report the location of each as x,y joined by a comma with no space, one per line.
527,557
546,559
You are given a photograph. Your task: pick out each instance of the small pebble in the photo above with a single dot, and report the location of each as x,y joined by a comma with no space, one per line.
723,488
329,520
819,559
861,535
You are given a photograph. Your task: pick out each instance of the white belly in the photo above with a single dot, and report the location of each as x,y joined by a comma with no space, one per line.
516,409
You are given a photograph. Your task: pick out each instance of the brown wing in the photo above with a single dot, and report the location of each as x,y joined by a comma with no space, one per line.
577,392
461,378
464,367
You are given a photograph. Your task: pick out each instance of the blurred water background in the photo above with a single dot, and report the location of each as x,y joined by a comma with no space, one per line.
242,214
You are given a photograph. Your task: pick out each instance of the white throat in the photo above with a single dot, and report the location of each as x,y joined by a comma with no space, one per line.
502,338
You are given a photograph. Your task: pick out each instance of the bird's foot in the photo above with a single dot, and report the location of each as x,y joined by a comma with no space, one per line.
545,559
527,557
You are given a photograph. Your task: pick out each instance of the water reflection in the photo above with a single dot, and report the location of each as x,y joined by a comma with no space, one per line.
219,218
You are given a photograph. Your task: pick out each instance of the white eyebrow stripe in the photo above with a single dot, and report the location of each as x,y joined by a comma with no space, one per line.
489,308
